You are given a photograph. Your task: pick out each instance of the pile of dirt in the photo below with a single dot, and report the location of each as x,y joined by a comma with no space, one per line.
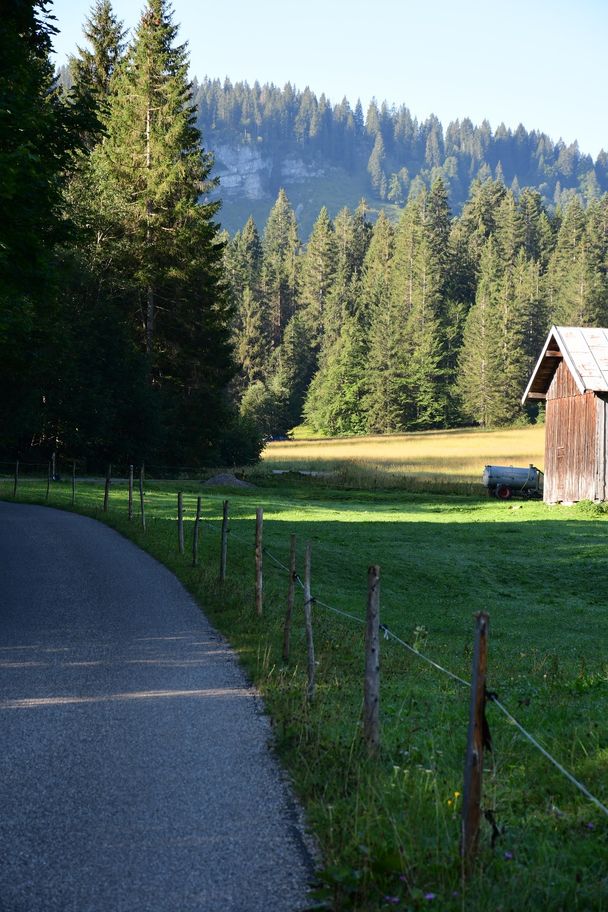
227,480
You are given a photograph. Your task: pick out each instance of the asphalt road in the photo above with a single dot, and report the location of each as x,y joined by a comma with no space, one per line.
135,770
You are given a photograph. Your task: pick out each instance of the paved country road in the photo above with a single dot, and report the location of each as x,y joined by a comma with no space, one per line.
135,770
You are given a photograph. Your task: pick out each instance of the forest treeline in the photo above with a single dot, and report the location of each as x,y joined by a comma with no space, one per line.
429,323
133,329
114,316
397,154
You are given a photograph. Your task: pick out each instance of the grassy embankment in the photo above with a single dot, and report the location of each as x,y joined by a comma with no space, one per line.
389,829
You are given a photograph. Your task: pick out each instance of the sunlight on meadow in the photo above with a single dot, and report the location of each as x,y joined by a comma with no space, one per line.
458,454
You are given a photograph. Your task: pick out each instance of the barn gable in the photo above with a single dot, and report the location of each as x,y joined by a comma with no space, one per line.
585,353
572,376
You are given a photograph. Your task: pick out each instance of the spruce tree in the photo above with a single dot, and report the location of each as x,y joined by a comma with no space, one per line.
93,68
281,246
335,400
318,272
39,149
162,241
576,275
478,379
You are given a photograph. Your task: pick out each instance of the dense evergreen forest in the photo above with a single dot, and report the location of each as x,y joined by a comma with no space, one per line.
114,317
133,328
311,147
433,322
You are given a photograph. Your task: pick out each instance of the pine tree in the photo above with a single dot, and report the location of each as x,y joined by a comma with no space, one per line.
375,167
93,68
162,241
318,272
281,247
335,398
376,273
576,276
478,380
39,149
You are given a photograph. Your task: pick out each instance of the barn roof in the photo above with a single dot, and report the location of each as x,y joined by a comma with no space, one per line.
584,350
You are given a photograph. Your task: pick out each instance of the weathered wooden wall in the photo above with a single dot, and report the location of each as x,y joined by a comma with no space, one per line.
575,445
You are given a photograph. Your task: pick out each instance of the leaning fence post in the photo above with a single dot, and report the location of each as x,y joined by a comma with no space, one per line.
180,522
130,493
308,600
291,592
16,482
48,481
195,536
106,493
141,498
259,574
371,687
73,482
473,770
224,542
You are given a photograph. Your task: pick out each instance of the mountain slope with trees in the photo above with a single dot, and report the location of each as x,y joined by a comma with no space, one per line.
265,138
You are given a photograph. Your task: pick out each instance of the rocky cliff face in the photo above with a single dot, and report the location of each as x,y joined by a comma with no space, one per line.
247,171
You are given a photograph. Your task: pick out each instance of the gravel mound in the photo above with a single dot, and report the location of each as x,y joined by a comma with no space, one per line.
227,480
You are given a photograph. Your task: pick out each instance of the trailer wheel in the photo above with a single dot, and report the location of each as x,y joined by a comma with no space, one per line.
504,492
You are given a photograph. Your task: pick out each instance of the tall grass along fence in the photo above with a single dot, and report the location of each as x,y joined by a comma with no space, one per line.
478,741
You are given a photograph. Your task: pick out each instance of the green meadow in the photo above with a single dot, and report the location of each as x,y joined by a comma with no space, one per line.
388,829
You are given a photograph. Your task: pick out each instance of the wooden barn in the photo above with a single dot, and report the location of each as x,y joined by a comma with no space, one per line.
572,376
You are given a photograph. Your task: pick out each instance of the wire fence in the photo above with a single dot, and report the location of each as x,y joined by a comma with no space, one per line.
37,469
490,697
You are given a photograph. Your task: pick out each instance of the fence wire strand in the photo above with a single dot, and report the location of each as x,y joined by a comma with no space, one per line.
389,634
579,785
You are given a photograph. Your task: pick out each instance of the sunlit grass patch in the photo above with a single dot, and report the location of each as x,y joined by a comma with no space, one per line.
458,455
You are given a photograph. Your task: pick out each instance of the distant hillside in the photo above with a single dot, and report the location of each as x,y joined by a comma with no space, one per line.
265,138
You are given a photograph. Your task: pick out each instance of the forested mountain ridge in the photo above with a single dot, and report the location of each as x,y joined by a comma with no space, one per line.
265,138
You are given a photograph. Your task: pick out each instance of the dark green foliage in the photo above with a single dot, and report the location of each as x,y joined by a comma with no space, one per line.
436,322
388,152
92,70
39,146
114,318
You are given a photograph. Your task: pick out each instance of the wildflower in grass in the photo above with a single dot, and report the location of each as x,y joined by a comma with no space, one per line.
430,896
508,856
392,900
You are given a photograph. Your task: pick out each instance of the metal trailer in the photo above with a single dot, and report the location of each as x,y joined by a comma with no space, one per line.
506,481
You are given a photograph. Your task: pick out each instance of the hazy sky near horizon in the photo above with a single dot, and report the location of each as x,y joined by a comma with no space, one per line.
538,62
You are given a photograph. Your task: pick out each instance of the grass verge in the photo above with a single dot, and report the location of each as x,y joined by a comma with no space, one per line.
389,830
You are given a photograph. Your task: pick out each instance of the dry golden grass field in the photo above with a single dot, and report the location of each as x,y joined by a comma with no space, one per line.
443,456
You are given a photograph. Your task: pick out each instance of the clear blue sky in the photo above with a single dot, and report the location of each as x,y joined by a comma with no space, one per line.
541,62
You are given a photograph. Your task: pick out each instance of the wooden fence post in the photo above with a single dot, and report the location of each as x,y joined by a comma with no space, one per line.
73,482
310,646
291,592
141,498
106,493
473,770
130,493
224,542
371,687
195,536
259,573
54,461
16,482
180,522
48,481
